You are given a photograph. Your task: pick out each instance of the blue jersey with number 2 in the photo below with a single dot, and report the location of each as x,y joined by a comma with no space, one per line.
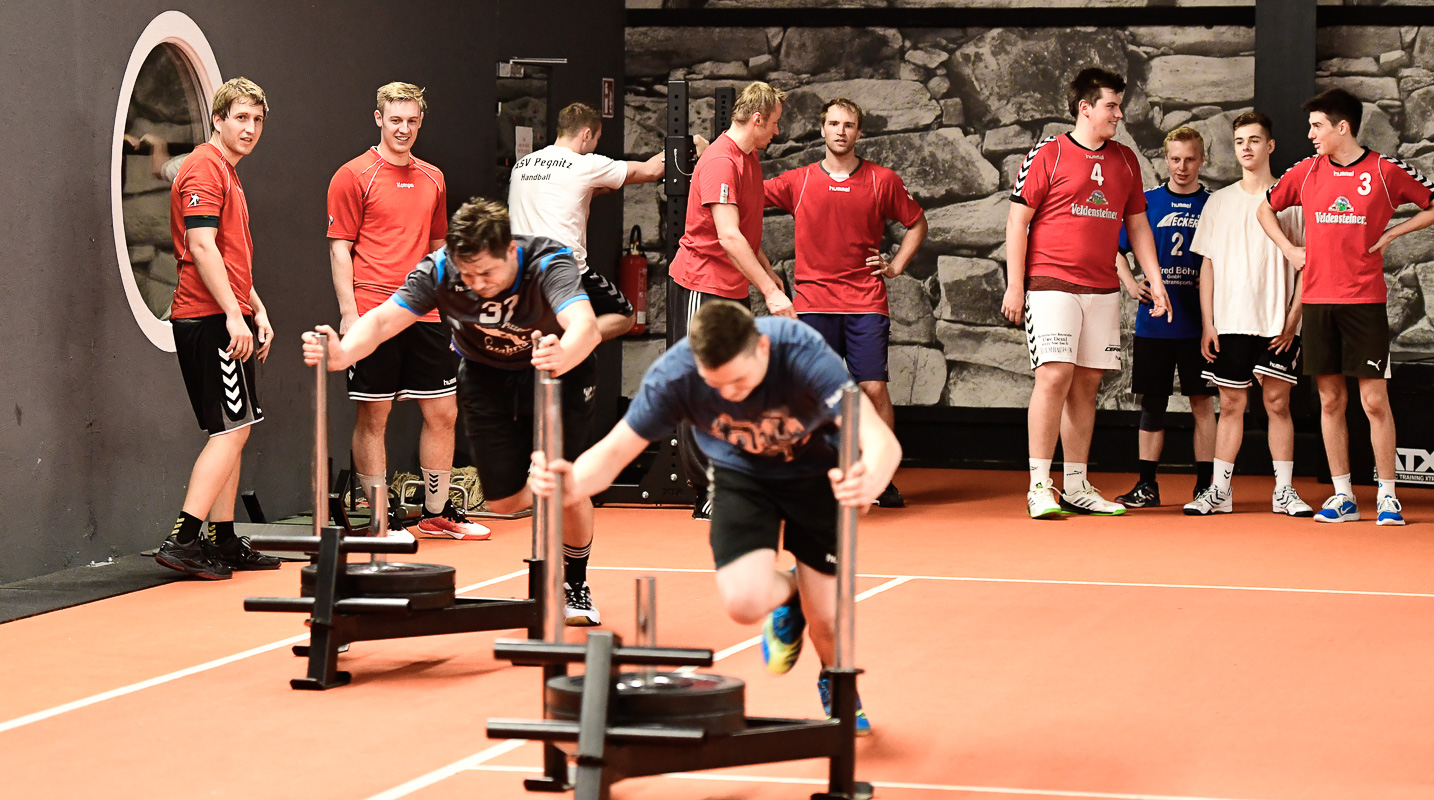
1173,218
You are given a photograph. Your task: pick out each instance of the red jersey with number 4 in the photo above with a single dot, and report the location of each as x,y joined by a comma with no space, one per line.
724,175
839,225
1081,198
390,213
1347,208
206,193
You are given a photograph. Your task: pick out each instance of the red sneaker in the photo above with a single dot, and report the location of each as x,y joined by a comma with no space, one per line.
451,523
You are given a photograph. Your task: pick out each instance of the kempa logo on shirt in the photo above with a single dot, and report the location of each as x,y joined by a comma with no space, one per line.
405,185
1342,215
193,200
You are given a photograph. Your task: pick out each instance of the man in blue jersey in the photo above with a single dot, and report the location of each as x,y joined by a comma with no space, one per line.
1164,346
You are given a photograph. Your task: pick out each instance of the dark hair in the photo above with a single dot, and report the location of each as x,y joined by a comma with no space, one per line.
577,116
1254,118
849,105
720,331
1339,106
479,226
1087,85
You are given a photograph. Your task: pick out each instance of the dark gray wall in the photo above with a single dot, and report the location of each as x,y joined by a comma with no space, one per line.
99,438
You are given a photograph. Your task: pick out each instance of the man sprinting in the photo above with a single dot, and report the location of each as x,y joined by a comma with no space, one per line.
841,205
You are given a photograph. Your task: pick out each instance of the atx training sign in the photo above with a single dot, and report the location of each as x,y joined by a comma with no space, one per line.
1412,465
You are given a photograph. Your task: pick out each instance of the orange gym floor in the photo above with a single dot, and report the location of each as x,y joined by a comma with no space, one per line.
1149,657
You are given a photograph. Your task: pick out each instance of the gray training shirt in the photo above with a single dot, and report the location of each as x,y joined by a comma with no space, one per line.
498,331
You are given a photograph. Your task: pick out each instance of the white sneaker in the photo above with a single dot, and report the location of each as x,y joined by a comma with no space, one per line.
581,613
1087,500
1211,501
1041,502
1287,501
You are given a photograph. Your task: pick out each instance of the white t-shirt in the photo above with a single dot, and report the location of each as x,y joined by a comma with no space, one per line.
549,192
1254,284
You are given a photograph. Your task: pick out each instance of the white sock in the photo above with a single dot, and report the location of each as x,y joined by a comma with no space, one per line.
1224,470
365,482
1040,471
1342,485
435,489
1386,488
1075,476
1284,474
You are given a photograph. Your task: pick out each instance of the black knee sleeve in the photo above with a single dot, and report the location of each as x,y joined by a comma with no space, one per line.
1152,412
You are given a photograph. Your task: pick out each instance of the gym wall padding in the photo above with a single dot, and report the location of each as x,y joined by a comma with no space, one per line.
99,437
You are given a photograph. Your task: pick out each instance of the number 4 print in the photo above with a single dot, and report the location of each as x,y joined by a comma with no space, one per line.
1095,174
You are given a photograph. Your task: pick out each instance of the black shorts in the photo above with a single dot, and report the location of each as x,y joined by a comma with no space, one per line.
1157,360
1350,339
1242,356
497,408
223,392
604,295
860,339
417,364
748,515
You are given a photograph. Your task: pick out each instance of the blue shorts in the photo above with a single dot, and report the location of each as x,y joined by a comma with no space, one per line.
861,339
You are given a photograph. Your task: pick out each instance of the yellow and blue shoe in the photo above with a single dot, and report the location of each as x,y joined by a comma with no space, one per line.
782,635
824,688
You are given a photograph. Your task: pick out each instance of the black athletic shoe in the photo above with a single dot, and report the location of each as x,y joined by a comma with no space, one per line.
891,497
237,554
702,512
1145,495
193,558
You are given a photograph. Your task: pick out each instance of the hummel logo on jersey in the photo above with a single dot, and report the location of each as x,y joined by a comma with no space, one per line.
1341,204
831,559
405,185
1097,198
1339,174
193,200
1342,215
846,189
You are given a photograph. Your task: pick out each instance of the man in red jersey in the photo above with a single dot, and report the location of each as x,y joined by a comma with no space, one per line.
1071,197
220,329
387,210
720,253
841,205
1348,193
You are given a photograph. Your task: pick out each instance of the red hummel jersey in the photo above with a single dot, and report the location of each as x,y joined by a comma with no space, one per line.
1346,209
724,174
390,213
208,186
838,225
1081,198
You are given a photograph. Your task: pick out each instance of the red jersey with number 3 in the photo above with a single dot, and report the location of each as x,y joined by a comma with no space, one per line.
206,193
391,213
1081,198
839,224
1347,208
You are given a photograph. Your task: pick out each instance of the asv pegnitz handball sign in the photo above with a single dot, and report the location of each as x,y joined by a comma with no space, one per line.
1412,465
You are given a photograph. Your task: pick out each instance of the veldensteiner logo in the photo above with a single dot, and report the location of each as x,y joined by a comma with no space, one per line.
1343,214
1097,198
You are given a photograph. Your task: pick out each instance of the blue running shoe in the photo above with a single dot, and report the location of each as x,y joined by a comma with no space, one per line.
824,688
1390,512
1339,508
782,635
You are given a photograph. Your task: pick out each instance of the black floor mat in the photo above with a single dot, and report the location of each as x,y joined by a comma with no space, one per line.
78,585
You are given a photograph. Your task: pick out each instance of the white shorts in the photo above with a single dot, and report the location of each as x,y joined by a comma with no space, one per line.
1082,329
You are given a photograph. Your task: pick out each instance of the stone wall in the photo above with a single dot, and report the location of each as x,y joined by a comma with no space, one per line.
954,111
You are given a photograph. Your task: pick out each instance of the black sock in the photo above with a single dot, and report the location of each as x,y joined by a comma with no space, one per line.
1204,473
575,564
1147,471
221,532
186,528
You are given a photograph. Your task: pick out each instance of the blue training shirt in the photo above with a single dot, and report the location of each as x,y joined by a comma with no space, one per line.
1173,218
783,429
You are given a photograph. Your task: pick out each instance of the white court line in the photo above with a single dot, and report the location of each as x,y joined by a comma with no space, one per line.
20,722
476,761
1132,585
935,787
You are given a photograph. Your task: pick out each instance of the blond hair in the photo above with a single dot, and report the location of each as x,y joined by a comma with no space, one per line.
1184,134
757,98
573,119
849,105
400,92
237,90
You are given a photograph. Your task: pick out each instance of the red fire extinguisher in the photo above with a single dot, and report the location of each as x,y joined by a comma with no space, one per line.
632,279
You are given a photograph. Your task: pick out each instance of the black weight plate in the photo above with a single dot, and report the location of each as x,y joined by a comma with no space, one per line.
420,601
715,703
395,579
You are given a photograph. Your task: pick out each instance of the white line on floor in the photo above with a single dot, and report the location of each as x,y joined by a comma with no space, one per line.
474,761
20,722
935,787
